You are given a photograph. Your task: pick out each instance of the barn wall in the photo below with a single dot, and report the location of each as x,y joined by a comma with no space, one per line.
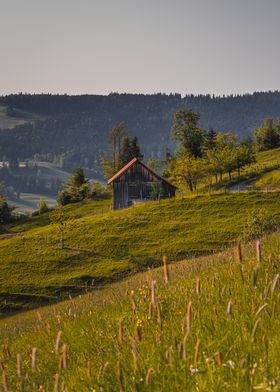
136,184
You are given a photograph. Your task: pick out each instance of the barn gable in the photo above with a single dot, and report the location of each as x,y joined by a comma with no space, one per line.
135,182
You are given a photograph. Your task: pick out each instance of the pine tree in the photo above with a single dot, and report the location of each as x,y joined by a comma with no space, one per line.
209,140
135,149
75,189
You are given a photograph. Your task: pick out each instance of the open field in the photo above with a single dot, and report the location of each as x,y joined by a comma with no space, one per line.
213,327
28,202
107,246
9,122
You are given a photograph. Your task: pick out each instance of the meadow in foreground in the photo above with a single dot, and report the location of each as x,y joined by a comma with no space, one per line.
206,324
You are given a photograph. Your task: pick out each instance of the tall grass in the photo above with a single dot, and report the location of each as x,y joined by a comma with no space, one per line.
213,327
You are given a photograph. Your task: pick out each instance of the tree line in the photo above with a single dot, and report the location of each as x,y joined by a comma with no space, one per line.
203,154
71,130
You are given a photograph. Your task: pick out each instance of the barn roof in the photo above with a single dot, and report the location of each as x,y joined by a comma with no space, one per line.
131,163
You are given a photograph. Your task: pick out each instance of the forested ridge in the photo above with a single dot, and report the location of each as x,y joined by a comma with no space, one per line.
73,129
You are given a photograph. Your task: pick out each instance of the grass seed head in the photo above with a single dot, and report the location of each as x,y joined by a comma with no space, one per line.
132,301
274,283
255,328
34,359
121,339
159,319
6,351
229,308
57,343
198,286
259,251
134,356
263,307
120,376
255,276
219,359
6,384
64,357
150,311
19,366
197,350
149,374
137,333
189,317
153,293
239,253
165,270
56,382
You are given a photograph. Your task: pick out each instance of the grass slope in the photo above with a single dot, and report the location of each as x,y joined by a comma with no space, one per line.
114,339
76,211
21,117
103,247
270,180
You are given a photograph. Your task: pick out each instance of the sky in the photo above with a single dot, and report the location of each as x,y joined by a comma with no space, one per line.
139,46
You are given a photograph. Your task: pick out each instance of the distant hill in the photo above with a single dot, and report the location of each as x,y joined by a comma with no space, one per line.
72,130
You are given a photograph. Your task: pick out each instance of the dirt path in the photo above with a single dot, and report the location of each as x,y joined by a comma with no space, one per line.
243,186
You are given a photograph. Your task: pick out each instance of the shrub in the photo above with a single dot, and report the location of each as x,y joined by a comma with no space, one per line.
259,222
42,207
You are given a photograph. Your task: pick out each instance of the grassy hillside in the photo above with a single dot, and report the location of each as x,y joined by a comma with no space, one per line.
19,117
270,180
7,121
75,211
110,245
213,327
269,157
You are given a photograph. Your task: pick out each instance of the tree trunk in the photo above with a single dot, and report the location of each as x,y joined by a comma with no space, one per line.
190,185
62,241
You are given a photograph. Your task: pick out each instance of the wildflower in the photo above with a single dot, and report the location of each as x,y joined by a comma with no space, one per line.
193,370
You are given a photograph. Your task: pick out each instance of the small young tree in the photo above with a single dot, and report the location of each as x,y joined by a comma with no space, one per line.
42,207
5,211
186,171
62,222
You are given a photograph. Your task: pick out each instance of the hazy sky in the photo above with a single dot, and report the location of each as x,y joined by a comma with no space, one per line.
145,46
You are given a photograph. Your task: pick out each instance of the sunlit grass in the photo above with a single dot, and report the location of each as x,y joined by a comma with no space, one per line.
219,334
101,247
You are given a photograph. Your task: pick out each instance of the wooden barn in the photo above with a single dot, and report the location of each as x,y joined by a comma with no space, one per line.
135,182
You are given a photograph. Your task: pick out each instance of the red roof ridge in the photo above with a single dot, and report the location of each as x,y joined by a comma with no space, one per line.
122,170
128,165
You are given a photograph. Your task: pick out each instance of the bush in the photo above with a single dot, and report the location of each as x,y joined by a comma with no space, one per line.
5,211
98,191
42,207
260,223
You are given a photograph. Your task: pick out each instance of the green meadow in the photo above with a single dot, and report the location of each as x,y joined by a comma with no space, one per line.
207,324
105,246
